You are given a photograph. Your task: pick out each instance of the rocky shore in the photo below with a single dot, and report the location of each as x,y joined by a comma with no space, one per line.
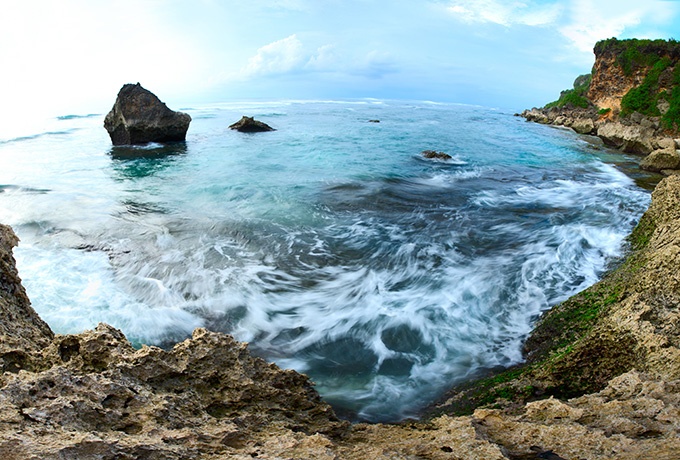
93,395
636,134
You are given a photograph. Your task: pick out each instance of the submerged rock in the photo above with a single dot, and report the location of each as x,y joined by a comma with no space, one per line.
139,117
250,125
434,155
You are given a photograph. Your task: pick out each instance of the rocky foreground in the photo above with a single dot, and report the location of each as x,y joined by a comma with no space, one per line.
93,395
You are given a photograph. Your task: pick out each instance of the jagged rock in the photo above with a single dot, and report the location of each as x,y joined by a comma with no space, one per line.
583,126
536,115
139,117
434,155
618,422
629,138
250,125
22,332
664,158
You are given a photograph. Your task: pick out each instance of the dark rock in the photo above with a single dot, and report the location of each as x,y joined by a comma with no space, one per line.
374,121
431,154
139,117
250,125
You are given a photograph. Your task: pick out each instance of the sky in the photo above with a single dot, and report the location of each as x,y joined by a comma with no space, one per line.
72,56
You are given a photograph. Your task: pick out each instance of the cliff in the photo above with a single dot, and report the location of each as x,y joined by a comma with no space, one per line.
602,381
631,100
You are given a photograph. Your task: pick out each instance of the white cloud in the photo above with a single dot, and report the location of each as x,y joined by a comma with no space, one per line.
279,57
506,13
289,55
581,22
325,59
593,20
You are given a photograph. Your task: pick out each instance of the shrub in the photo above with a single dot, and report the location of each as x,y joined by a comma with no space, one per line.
575,97
671,119
645,97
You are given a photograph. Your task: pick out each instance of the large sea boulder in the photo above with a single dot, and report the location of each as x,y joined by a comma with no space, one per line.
250,125
139,117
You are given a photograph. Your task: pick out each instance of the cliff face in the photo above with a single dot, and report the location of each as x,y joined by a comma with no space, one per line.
610,83
92,395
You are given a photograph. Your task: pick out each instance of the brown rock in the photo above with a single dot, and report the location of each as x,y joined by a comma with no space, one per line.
434,155
250,125
22,332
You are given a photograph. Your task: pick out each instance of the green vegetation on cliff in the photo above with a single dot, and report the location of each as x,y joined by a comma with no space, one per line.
659,93
645,98
575,97
634,54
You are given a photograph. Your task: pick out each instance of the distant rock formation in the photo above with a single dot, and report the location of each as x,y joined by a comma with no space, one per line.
374,121
250,125
139,117
434,155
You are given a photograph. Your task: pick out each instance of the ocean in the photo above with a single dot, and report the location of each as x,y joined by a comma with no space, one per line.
331,245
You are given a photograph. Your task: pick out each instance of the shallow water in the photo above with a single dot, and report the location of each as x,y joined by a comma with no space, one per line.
330,244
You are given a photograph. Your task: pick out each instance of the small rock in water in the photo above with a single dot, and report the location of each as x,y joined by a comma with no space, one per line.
250,125
432,154
374,121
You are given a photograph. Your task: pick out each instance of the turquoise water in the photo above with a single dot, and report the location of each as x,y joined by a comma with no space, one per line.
330,244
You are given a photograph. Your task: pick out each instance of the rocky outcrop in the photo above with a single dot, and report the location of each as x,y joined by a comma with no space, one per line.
22,331
665,158
615,348
139,117
632,138
250,125
434,155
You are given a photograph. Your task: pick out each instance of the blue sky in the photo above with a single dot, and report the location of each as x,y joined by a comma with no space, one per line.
72,56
